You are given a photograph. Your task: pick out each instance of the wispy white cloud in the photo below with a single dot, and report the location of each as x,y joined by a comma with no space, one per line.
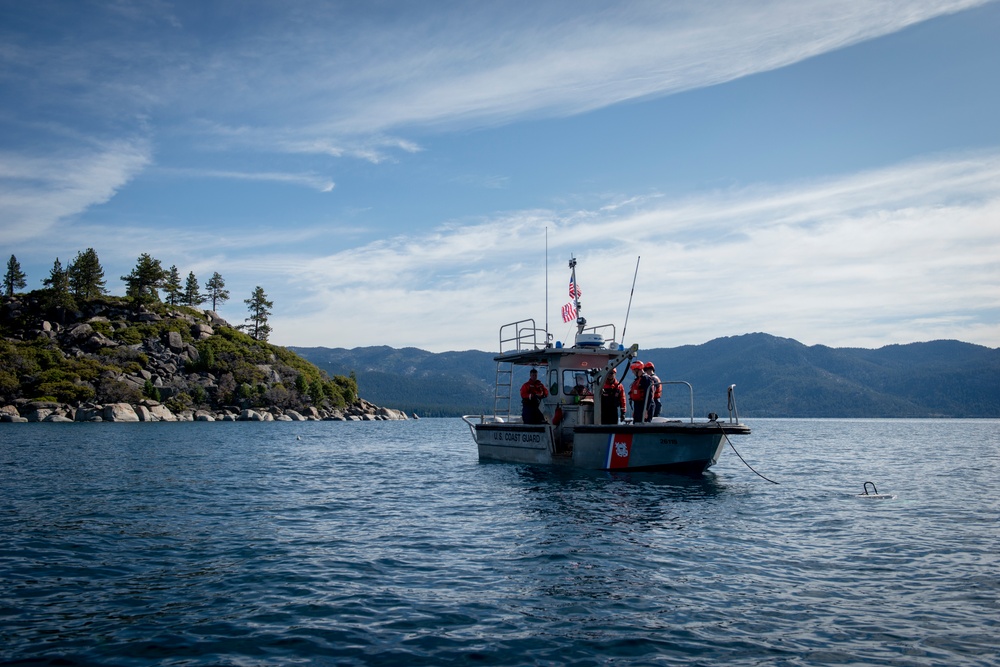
492,65
37,192
855,259
325,78
313,181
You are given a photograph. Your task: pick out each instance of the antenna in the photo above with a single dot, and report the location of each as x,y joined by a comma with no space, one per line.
629,309
546,285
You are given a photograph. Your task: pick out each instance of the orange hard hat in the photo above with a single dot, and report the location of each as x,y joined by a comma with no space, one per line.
636,365
649,365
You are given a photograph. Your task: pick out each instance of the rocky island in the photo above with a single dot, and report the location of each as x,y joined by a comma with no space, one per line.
110,359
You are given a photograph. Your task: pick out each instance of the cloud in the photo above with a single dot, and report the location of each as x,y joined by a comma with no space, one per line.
865,259
331,79
38,191
493,65
305,179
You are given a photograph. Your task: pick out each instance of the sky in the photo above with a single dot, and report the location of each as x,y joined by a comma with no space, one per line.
419,174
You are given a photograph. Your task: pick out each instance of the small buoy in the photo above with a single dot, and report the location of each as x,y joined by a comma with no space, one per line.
298,437
875,495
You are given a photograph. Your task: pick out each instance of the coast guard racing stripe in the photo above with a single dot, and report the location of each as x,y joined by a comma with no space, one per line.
619,449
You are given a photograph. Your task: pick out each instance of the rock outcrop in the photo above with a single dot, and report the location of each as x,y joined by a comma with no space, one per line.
123,364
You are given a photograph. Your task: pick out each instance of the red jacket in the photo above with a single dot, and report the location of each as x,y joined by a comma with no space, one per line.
534,388
615,391
657,387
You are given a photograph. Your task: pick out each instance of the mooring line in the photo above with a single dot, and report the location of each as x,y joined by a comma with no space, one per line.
726,436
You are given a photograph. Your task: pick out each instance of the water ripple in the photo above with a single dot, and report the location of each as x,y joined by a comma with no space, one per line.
389,543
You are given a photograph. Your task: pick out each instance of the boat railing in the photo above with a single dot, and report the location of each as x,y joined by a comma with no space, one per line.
521,335
690,394
601,329
473,420
734,414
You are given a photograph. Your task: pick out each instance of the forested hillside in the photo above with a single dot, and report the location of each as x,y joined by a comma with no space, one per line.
774,377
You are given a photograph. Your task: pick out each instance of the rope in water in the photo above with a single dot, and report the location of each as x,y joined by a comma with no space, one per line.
726,436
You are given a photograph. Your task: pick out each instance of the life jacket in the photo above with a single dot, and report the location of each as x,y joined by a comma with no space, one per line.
637,392
657,386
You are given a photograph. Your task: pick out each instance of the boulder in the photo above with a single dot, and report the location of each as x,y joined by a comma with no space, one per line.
89,413
389,413
174,341
58,419
13,419
119,412
201,331
79,332
203,416
38,415
162,413
292,415
215,320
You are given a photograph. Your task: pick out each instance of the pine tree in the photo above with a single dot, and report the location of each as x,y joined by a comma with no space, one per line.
172,286
192,295
217,291
86,276
14,278
256,325
144,281
57,287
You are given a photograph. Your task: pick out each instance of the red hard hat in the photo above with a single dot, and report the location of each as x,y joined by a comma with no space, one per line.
649,365
636,365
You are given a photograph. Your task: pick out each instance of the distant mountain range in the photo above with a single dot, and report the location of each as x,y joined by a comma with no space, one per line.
774,377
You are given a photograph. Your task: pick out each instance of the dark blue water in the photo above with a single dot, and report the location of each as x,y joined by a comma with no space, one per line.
388,543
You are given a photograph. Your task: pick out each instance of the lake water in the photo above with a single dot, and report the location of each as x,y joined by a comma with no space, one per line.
388,543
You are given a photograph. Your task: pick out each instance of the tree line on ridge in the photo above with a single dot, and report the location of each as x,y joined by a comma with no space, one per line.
83,280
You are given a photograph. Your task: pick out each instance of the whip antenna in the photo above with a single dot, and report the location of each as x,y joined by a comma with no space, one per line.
629,309
546,284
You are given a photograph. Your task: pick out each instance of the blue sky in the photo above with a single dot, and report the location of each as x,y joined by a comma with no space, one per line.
389,172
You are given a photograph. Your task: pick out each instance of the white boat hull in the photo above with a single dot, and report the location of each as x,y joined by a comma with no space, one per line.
659,446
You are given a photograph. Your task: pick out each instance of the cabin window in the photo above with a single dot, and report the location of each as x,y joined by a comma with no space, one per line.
576,382
553,382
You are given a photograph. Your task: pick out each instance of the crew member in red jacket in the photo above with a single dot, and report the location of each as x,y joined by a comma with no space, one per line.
650,372
532,393
612,399
638,394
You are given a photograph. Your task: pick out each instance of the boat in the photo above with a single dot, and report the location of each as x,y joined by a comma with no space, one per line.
574,430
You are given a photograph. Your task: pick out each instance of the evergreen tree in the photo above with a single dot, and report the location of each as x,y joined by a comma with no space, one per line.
217,291
14,278
144,281
172,287
192,295
86,276
256,325
57,287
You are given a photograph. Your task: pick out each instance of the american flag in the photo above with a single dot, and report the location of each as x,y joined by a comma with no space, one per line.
568,312
574,290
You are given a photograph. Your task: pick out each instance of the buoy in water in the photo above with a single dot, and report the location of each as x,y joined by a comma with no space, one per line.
875,495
